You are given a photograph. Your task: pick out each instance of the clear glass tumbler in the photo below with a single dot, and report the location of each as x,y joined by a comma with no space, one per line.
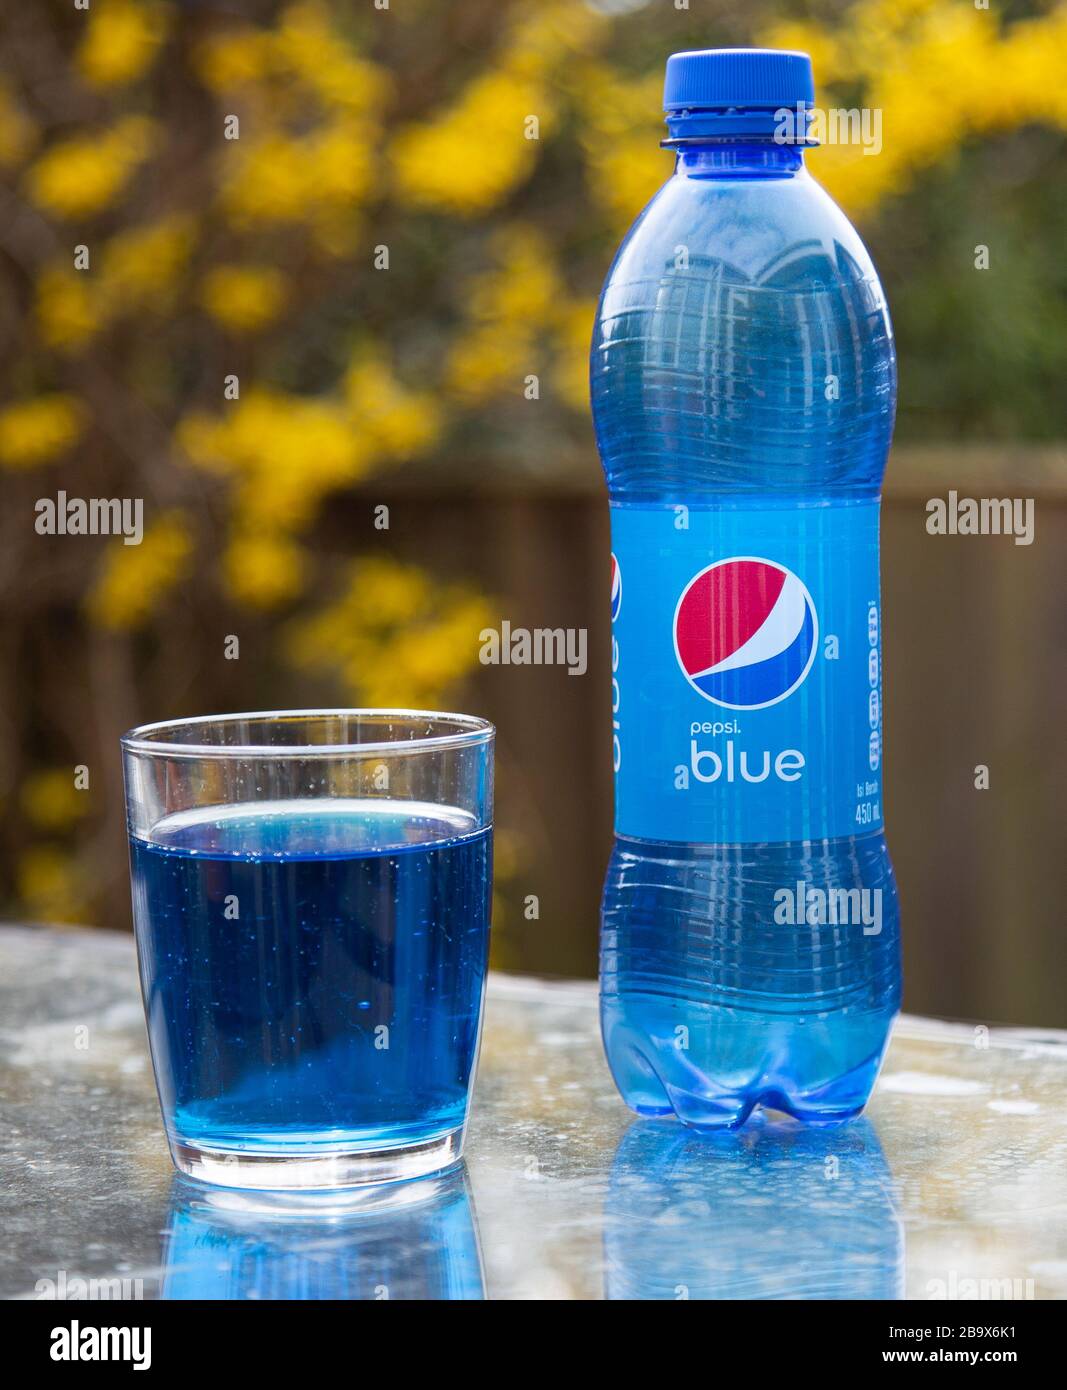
311,894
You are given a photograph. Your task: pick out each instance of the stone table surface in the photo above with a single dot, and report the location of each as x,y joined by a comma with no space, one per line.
954,1184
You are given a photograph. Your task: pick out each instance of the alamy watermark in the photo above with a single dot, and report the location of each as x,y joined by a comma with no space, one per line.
835,125
71,1288
989,1289
803,905
91,516
981,516
539,646
77,1343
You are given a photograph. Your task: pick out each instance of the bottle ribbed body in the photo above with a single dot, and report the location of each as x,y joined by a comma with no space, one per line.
743,369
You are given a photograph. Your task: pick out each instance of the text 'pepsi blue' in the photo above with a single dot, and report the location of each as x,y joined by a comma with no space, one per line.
744,385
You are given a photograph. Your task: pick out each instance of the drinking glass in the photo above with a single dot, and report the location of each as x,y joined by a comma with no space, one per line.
311,894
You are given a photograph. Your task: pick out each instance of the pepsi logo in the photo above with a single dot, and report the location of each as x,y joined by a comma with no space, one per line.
616,588
745,633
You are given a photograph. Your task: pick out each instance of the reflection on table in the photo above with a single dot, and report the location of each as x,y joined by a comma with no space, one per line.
775,1211
413,1240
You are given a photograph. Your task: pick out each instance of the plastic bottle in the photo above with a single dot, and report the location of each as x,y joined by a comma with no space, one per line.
743,384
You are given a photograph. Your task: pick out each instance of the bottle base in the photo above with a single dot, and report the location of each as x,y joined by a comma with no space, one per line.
734,1114
713,1071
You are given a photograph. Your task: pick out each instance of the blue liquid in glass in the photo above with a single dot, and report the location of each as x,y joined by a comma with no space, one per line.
313,971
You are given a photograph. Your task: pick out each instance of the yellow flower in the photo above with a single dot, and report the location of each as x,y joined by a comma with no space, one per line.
34,431
467,159
399,422
303,50
285,452
307,45
237,58
491,360
283,179
50,799
18,134
311,112
511,304
120,42
243,298
139,267
48,884
937,73
454,163
263,569
620,134
394,636
135,577
571,352
81,176
66,312
820,44
339,167
267,181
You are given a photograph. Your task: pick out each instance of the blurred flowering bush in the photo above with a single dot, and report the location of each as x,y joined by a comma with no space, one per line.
256,256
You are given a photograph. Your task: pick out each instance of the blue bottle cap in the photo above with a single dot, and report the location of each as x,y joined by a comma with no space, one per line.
730,92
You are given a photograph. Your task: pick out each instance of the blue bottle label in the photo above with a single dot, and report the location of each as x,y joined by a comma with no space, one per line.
746,672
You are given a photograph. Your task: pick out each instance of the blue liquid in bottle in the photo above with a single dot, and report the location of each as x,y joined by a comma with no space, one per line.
743,385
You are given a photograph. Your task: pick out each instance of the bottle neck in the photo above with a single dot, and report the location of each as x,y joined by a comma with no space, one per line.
752,159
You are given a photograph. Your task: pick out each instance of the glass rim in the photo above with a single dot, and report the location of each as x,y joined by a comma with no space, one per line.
471,731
